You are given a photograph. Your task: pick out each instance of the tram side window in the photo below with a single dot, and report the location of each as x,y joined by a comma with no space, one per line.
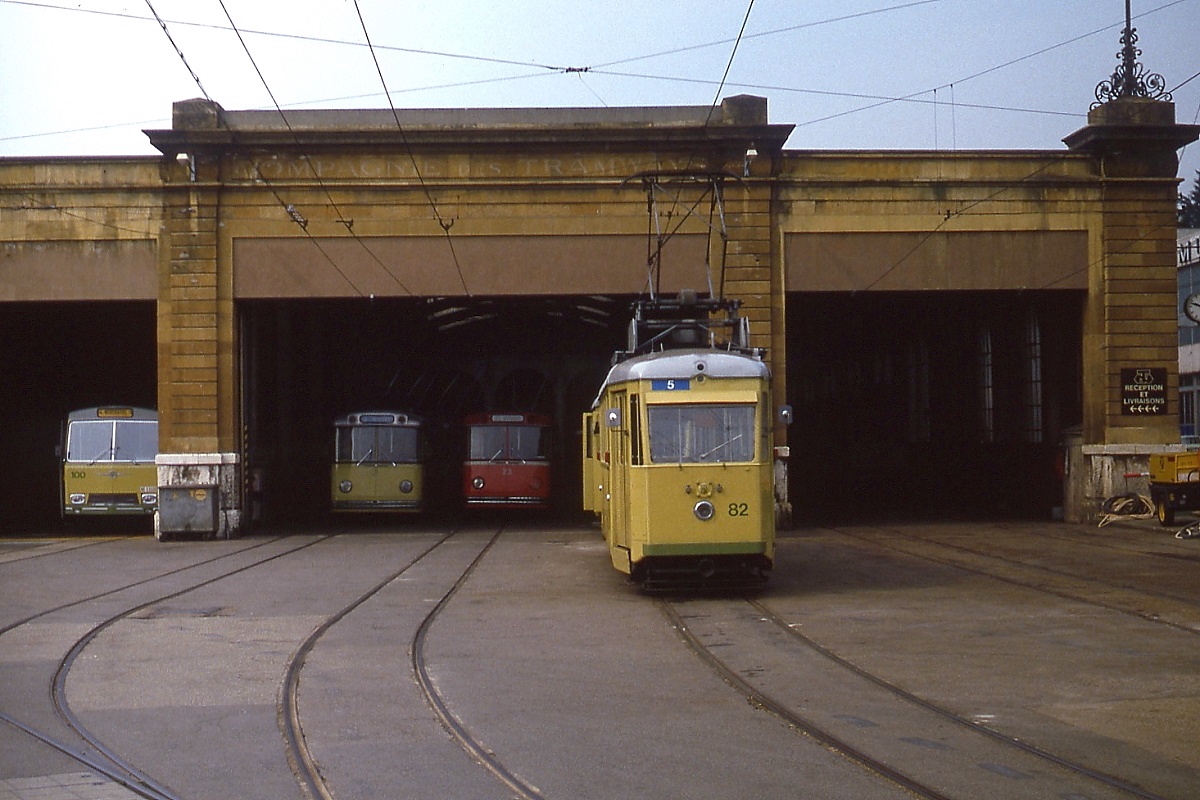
701,433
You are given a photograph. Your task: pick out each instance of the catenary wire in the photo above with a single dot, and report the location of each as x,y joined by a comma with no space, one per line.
445,226
288,208
341,218
292,36
761,34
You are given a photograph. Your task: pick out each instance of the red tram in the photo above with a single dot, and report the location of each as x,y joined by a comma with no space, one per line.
508,460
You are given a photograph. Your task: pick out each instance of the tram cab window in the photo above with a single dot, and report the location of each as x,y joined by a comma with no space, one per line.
109,440
703,434
377,445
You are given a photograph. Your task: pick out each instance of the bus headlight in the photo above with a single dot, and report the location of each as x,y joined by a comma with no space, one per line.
406,486
345,486
477,482
704,510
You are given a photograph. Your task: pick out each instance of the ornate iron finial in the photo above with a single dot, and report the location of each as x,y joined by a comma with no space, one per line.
1130,78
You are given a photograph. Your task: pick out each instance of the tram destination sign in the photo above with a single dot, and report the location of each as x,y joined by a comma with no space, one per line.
1144,391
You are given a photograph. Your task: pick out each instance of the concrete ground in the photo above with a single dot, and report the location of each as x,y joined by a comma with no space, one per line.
1083,641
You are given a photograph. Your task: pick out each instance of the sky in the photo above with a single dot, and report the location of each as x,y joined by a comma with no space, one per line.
86,77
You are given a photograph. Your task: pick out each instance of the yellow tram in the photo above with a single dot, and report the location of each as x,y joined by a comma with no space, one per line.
677,455
378,462
107,462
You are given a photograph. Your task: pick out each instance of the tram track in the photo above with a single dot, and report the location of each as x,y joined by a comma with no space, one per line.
102,759
457,729
1129,598
929,750
306,764
82,746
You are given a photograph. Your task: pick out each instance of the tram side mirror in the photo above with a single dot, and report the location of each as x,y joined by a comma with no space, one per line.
612,418
785,415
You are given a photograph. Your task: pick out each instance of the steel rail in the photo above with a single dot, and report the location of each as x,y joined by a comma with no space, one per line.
780,710
304,766
458,731
1087,772
58,685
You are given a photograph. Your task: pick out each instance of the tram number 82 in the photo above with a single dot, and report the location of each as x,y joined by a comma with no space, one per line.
739,510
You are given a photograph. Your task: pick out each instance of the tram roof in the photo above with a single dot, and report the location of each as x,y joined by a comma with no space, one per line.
688,364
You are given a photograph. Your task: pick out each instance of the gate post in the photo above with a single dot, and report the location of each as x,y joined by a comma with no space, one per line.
198,461
1130,339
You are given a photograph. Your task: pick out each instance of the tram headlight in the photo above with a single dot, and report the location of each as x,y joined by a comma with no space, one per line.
477,482
345,486
704,510
78,499
149,498
406,486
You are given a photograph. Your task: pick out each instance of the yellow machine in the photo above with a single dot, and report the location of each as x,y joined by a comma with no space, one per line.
1174,484
107,455
378,462
678,460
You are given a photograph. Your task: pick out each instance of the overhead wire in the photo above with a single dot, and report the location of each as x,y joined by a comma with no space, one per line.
442,222
545,69
654,258
288,208
293,36
745,36
599,69
913,97
341,218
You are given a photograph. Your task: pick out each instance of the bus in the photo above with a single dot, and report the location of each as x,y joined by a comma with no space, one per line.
107,455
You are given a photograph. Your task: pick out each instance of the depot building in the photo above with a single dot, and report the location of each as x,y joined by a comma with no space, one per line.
989,333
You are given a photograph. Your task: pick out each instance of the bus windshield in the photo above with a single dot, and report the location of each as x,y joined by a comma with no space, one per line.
377,444
508,443
696,433
90,441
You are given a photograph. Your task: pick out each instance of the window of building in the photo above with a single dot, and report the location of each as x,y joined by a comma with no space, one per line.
918,391
1033,382
987,393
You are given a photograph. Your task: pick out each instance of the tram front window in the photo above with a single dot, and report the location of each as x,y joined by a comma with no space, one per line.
508,443
371,445
701,434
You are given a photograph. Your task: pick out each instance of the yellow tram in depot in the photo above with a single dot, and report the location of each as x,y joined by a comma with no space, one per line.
378,462
107,462
677,450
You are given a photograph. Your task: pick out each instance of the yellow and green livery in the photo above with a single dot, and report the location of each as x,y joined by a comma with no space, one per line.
107,455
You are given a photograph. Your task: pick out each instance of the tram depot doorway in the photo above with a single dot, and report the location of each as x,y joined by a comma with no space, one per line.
60,356
930,404
306,362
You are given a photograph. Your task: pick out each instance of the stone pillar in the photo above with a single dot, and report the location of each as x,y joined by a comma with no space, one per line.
198,465
1130,349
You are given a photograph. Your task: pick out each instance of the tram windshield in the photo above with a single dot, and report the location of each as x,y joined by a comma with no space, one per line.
372,444
89,441
508,443
701,434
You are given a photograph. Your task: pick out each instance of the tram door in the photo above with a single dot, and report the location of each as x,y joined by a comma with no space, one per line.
618,478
